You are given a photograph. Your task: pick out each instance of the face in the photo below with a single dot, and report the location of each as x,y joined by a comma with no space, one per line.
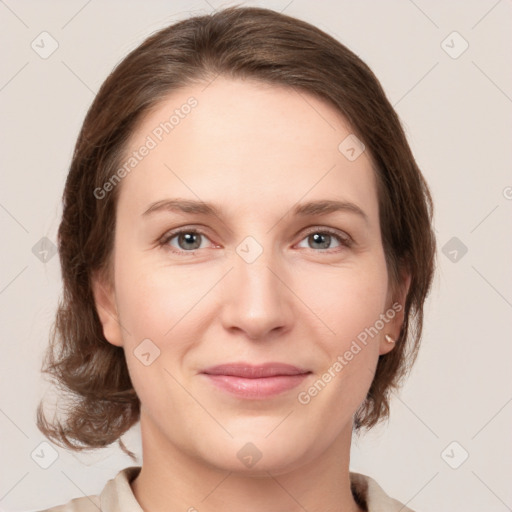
287,266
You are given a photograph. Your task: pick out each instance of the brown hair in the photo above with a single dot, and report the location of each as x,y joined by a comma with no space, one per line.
240,43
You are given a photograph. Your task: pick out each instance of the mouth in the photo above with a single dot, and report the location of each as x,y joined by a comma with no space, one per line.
255,382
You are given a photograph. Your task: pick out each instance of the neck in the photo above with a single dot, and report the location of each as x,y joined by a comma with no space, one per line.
173,480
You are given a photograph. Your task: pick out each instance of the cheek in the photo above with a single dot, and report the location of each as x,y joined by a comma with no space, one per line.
153,298
141,304
346,300
156,309
348,304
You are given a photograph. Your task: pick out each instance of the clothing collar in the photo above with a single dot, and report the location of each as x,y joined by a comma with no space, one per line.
117,495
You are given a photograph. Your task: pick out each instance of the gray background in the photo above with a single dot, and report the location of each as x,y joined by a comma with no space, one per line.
455,106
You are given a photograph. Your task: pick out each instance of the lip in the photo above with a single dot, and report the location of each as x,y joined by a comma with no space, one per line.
255,382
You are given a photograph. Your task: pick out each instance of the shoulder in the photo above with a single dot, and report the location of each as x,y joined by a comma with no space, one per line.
368,493
116,496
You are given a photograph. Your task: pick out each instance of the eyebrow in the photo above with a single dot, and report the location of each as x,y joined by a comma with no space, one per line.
311,208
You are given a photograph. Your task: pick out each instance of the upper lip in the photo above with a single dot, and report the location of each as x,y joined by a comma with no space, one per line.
249,371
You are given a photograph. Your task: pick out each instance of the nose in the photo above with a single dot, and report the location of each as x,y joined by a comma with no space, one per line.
257,301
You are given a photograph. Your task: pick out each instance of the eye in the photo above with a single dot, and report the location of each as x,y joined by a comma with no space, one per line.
190,240
323,238
185,240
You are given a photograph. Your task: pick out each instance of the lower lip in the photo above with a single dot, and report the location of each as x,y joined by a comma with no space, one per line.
256,388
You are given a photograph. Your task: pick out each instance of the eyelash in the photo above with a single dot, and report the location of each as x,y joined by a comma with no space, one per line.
346,242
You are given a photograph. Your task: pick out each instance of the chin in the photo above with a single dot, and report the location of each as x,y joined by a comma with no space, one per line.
257,455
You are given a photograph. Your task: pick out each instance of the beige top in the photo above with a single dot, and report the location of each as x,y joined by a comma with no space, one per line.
117,496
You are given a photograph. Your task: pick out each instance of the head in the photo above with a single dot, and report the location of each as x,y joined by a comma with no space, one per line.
256,113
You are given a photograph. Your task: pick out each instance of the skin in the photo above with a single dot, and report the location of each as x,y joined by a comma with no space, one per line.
255,150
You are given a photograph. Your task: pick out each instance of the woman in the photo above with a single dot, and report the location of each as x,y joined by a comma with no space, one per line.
252,356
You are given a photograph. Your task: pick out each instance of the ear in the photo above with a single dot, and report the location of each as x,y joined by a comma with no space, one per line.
104,300
395,311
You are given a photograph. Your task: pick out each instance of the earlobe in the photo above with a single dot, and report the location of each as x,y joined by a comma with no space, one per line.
392,330
387,344
104,300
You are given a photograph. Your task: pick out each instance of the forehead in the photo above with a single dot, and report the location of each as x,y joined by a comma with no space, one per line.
244,141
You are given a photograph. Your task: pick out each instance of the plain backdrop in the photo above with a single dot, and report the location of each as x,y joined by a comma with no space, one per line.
445,66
